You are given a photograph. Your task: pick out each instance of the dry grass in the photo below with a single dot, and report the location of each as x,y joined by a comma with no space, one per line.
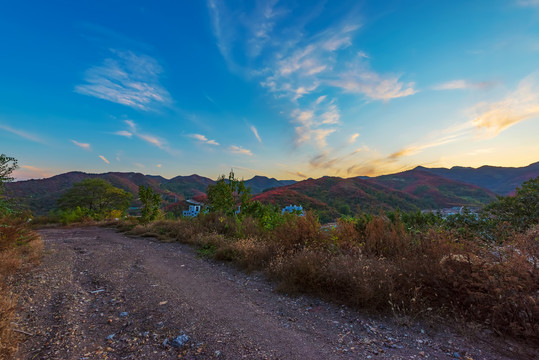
20,248
378,265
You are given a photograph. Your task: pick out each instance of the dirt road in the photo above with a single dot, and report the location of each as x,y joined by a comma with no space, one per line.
101,295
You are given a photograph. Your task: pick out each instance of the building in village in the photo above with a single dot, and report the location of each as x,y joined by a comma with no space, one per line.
293,209
194,209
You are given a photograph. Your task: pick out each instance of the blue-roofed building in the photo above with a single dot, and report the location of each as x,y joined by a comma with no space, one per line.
194,209
298,209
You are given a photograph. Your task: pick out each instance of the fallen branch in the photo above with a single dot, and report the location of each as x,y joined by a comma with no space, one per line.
22,332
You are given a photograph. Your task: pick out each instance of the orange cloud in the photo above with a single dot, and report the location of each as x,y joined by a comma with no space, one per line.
523,104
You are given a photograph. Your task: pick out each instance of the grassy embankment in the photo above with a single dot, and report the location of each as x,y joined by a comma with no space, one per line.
380,264
20,248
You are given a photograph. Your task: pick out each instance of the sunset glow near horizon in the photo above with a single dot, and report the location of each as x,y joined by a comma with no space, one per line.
285,89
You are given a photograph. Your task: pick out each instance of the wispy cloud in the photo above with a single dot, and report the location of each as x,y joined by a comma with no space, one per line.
253,29
84,146
131,124
302,66
523,104
315,123
415,149
528,3
104,159
353,138
203,139
239,150
488,119
21,133
296,174
360,79
124,133
25,172
327,160
222,30
152,140
255,132
463,84
127,78
375,166
149,138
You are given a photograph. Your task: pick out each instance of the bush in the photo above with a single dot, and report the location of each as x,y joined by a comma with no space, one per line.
19,247
421,265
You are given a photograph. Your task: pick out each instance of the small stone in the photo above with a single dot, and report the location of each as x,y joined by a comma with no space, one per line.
124,314
180,341
456,355
110,337
217,353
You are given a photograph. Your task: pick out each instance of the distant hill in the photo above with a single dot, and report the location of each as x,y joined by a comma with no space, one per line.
187,186
434,191
412,190
420,188
501,180
41,196
332,196
259,184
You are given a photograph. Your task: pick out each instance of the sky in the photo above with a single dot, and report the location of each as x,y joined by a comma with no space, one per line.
284,89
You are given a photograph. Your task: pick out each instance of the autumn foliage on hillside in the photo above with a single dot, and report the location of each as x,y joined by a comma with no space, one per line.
331,197
408,264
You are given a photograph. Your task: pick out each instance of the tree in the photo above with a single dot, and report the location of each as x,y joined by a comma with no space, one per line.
225,196
96,196
7,166
520,210
150,203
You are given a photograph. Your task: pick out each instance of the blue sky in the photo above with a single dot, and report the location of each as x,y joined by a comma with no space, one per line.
289,89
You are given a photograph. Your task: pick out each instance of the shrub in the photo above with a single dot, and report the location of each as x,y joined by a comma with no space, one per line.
19,247
420,265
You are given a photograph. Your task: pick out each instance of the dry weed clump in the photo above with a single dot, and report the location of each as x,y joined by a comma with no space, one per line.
385,239
375,264
249,253
19,247
298,233
8,342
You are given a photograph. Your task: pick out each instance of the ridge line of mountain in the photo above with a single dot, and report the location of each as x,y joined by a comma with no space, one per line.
418,188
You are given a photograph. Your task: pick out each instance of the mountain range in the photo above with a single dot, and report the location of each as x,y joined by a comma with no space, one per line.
330,197
501,180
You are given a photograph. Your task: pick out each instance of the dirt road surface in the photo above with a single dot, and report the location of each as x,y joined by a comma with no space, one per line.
101,295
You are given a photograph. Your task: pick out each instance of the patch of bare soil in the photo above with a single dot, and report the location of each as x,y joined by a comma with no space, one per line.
101,295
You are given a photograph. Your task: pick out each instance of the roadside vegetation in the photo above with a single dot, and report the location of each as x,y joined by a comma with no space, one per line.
478,268
20,248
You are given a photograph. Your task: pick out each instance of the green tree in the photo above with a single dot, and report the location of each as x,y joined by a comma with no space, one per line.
150,203
95,196
225,196
7,166
520,210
